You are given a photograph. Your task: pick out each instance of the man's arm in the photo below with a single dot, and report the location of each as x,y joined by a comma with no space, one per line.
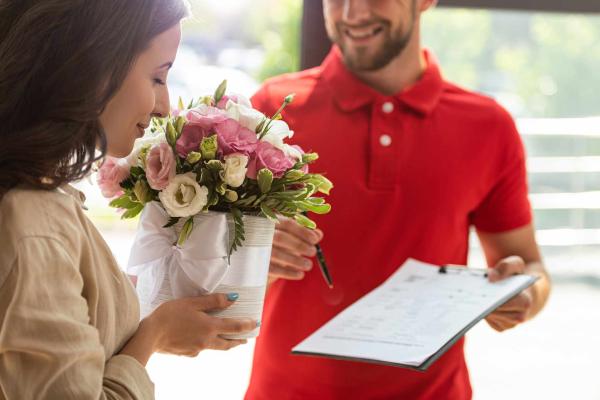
510,253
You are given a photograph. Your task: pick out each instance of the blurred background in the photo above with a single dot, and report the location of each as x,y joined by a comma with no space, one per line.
541,60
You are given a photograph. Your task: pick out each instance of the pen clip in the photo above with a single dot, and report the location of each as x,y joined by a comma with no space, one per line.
447,268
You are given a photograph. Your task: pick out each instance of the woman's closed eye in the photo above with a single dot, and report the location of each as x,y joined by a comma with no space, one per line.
159,81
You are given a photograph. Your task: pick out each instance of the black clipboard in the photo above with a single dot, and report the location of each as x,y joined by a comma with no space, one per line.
444,269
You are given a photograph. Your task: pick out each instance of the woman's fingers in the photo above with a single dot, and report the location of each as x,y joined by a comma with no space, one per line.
219,343
213,302
234,326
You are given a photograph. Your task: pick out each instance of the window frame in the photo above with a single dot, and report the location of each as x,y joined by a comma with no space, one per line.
562,6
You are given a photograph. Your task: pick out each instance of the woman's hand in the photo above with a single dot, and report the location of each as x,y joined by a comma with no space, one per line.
183,327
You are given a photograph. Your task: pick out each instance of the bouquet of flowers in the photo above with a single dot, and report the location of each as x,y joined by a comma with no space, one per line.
216,157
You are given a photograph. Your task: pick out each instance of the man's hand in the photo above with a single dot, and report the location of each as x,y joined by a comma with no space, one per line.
516,252
518,309
293,245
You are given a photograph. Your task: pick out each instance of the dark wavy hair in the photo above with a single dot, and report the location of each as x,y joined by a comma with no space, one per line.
61,61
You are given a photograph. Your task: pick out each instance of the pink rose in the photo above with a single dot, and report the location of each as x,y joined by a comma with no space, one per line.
270,157
296,155
234,138
112,172
238,99
160,166
201,123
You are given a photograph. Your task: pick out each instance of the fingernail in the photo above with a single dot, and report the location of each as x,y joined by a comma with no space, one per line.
232,296
315,238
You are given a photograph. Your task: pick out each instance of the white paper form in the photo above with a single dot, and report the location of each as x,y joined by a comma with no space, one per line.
412,316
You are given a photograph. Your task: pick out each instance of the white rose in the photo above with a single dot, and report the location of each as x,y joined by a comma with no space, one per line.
246,116
278,132
292,152
148,140
242,100
184,197
235,169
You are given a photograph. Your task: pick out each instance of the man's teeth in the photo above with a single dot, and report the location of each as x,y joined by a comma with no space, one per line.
363,33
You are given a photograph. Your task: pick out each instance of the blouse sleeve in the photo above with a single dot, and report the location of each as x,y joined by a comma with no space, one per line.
48,348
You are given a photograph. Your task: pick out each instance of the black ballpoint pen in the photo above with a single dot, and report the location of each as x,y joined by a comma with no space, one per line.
323,265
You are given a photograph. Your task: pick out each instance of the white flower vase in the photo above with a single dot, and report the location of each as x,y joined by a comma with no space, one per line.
166,272
248,272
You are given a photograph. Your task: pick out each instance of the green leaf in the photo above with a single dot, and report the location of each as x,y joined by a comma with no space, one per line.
238,237
259,200
185,231
246,202
305,221
206,177
136,171
143,192
293,175
132,212
325,185
215,165
213,199
268,212
123,202
310,189
220,92
127,184
316,200
221,188
317,209
172,221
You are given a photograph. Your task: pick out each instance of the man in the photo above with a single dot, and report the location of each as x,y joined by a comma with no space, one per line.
416,161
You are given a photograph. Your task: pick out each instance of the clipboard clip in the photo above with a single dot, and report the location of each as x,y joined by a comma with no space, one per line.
451,269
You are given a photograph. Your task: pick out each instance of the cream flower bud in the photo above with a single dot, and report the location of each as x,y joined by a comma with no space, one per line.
235,169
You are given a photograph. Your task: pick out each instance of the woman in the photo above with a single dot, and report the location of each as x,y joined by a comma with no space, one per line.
78,76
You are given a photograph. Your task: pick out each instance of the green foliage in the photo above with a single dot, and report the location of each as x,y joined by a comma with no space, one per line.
279,33
537,64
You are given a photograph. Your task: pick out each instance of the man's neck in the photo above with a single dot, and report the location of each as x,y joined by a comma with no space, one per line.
402,72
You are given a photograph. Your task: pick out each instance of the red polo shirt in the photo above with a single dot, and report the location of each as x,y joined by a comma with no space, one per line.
412,173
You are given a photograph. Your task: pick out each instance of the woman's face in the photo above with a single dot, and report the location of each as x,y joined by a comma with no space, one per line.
142,95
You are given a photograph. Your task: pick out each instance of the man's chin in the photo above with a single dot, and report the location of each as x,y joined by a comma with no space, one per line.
361,62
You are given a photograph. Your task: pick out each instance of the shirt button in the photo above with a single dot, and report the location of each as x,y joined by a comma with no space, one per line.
385,140
387,107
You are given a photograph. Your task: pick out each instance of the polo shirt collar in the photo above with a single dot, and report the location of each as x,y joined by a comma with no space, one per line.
350,93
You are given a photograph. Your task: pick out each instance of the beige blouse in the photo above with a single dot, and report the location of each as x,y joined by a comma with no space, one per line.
66,309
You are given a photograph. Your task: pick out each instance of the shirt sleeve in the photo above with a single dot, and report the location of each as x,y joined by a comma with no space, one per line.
506,205
48,348
261,100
